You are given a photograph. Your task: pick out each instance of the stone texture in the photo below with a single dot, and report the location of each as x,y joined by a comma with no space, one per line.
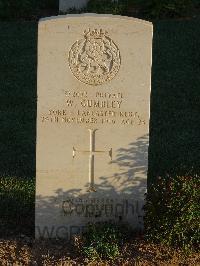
94,79
64,5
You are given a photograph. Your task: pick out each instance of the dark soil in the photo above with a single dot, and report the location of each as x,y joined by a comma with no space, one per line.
27,251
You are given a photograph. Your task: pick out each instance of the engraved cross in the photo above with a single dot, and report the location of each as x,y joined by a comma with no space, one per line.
92,152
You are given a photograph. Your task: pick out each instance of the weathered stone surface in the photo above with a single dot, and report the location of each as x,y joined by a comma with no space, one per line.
94,79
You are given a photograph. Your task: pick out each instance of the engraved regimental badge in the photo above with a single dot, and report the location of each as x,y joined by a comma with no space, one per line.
94,59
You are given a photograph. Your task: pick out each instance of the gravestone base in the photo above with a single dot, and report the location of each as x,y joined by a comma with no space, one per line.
82,211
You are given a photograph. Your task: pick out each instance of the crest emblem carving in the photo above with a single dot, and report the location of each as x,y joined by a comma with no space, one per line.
95,59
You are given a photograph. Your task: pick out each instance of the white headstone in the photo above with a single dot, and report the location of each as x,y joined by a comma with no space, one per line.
65,5
94,79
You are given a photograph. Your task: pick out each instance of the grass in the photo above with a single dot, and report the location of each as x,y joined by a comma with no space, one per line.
17,205
174,126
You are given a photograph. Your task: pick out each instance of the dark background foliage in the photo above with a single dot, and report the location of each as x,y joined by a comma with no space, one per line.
145,8
33,9
26,9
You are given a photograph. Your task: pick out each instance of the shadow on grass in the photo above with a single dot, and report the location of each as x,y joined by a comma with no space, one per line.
175,99
18,53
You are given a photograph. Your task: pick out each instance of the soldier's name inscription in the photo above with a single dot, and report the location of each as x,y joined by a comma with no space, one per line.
82,107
